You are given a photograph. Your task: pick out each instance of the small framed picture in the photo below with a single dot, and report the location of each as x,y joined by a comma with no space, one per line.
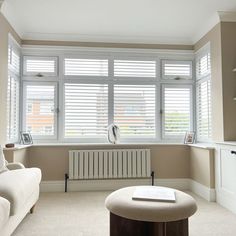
26,138
189,137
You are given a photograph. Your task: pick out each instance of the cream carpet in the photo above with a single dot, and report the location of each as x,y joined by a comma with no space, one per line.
84,214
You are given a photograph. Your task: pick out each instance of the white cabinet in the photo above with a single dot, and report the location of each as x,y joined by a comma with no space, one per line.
226,176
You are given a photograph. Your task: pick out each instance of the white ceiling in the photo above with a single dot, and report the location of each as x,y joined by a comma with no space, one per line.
131,21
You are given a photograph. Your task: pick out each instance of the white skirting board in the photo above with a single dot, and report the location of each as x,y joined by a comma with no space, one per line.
109,185
207,193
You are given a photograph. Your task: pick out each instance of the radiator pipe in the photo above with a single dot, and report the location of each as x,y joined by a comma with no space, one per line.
66,179
152,176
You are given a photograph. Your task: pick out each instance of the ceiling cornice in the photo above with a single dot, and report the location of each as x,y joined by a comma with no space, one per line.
227,16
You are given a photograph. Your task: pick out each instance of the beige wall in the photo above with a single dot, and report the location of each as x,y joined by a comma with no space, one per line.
5,29
202,166
214,37
168,161
228,42
107,45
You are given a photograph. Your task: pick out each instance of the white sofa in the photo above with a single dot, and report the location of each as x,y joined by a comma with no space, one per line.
19,192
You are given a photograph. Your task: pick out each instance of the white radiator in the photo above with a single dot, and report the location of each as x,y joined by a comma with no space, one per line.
109,164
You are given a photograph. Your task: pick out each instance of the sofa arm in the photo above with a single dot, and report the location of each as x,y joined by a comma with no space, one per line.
15,166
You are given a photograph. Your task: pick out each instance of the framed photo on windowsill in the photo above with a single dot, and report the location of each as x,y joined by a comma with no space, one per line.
189,137
26,138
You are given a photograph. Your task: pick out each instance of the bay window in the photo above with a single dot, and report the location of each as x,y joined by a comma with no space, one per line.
75,97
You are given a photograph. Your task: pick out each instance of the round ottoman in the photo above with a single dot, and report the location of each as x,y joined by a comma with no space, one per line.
130,217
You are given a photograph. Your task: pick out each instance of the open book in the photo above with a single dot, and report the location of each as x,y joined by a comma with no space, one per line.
154,193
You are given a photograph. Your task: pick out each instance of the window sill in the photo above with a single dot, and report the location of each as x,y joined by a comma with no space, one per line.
17,147
207,146
103,144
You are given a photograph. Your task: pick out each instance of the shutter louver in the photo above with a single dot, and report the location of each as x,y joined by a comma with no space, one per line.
14,61
13,91
86,110
204,110
86,67
43,66
177,105
13,109
176,69
126,68
40,110
134,110
203,66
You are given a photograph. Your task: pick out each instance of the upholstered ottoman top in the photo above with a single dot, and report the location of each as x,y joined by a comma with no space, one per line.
121,203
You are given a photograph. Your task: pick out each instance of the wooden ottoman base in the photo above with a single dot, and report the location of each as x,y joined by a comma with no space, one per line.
120,226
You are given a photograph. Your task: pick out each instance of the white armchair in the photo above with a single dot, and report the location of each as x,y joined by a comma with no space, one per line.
14,166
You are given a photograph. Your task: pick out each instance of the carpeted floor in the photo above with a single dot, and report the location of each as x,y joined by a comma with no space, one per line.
84,214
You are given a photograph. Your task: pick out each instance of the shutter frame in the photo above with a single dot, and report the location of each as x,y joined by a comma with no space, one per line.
85,91
176,69
143,99
40,66
177,132
51,86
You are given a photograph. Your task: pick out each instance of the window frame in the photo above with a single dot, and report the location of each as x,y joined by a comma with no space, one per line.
173,77
191,125
15,75
201,79
24,109
110,80
44,74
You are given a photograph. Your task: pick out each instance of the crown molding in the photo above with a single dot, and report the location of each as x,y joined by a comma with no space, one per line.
227,16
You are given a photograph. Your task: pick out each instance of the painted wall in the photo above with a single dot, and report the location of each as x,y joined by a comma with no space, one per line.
214,37
168,161
5,29
202,166
228,42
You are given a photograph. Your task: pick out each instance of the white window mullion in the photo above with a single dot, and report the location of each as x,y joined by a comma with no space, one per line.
111,91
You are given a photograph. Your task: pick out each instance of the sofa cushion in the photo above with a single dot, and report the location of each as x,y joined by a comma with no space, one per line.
18,185
4,211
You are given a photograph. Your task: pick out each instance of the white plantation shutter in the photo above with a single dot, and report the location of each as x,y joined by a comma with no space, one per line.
13,60
204,110
176,69
13,91
203,95
86,110
203,66
40,109
176,111
134,110
13,109
40,66
86,67
128,68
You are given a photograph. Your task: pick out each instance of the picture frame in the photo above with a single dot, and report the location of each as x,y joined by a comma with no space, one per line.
26,138
189,137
